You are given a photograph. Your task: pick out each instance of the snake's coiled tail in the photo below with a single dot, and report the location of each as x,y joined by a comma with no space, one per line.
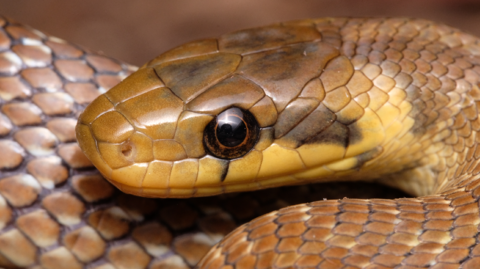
437,231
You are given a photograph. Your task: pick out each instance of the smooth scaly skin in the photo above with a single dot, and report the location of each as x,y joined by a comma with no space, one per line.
437,229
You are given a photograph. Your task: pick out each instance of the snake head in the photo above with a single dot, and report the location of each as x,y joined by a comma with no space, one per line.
253,109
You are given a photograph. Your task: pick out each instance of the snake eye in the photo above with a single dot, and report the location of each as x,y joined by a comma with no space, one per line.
231,134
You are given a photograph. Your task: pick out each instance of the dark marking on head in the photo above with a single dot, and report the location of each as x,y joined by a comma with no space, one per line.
347,120
317,121
354,134
284,63
258,37
189,77
196,68
266,38
224,170
293,114
271,60
336,133
282,73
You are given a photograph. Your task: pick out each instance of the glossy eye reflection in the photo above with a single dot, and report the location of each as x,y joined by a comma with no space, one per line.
231,134
231,129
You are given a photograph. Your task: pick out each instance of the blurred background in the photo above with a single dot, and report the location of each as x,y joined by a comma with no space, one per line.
136,31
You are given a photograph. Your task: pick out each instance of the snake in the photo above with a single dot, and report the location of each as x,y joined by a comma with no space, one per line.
333,99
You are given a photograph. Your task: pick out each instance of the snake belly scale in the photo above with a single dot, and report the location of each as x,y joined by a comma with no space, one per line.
392,100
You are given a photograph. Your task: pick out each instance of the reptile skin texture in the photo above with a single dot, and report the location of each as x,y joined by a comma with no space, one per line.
415,81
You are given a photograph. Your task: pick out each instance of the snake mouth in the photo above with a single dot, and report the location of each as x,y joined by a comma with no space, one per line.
322,173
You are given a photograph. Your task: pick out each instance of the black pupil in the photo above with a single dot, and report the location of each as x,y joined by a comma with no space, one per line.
231,129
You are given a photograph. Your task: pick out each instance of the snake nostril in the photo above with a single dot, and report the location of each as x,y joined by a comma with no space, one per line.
127,150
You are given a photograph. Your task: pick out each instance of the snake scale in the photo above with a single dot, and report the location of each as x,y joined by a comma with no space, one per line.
331,99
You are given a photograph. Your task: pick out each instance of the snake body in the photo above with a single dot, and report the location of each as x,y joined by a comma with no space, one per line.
332,99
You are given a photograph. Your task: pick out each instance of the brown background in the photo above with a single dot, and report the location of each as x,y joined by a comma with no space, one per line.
137,30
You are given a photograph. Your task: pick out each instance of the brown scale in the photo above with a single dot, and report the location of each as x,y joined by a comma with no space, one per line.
56,211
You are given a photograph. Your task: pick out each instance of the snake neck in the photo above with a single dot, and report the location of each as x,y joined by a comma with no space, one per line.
425,90
442,154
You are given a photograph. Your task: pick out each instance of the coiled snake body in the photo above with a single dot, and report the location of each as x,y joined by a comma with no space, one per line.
316,100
